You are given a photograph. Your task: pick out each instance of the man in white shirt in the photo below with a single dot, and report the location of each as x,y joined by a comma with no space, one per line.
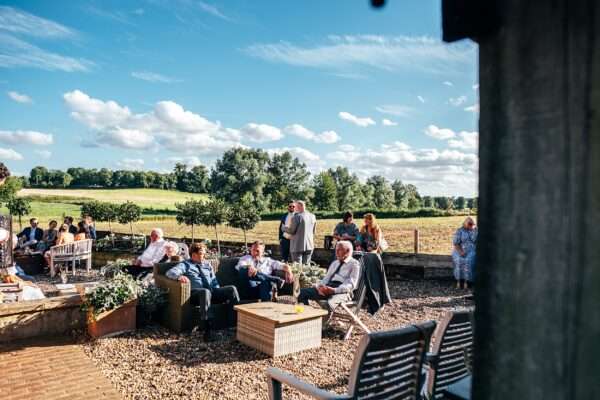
339,282
153,254
257,272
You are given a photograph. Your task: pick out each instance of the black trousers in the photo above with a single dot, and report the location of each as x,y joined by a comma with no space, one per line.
137,271
203,298
285,249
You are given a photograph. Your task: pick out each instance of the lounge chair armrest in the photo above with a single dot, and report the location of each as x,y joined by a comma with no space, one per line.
276,377
431,359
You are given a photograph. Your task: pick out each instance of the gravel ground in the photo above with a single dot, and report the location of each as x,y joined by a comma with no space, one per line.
155,364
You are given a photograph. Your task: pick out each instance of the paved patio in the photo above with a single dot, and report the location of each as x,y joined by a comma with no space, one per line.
51,369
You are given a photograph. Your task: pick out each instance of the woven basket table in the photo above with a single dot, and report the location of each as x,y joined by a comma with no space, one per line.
276,329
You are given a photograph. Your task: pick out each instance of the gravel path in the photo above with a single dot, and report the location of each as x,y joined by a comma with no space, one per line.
155,364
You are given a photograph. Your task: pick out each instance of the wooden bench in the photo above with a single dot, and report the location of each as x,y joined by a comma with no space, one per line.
71,253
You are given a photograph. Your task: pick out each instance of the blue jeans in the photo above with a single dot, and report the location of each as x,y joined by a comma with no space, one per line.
260,285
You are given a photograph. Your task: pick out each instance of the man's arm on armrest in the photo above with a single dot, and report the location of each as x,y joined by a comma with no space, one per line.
176,272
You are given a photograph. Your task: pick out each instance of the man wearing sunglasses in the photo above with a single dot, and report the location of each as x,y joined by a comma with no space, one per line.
284,237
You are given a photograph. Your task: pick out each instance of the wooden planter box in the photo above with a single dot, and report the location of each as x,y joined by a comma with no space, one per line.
113,322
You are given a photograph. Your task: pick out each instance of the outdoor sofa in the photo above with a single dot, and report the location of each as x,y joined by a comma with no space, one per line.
178,313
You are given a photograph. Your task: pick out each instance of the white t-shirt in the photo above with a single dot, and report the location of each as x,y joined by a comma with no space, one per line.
153,253
265,265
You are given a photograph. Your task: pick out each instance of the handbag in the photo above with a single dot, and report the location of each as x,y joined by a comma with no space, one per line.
383,244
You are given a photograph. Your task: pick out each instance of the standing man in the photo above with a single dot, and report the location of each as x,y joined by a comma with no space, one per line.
302,229
284,237
205,289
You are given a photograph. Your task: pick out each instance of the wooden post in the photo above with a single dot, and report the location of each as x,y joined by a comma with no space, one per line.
537,314
416,241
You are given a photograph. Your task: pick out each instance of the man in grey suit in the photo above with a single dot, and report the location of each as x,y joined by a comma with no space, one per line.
302,229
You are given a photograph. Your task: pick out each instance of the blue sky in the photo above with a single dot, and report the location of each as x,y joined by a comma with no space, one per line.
146,84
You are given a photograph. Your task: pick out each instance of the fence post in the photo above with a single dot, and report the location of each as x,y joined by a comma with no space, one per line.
416,241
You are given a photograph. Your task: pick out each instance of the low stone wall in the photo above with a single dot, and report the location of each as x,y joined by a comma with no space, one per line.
51,316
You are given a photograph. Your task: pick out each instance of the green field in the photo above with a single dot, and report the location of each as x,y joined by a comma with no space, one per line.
435,233
147,198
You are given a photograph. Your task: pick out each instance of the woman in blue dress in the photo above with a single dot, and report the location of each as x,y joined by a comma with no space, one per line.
463,255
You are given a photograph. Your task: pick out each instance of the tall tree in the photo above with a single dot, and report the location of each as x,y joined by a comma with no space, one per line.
443,202
240,172
198,180
38,176
288,179
9,189
460,203
427,201
244,215
382,193
349,191
325,197
400,198
413,197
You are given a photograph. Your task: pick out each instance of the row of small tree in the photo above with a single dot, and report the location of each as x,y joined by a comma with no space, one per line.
242,215
125,213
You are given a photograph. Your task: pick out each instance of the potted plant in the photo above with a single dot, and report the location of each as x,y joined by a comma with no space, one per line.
150,298
111,306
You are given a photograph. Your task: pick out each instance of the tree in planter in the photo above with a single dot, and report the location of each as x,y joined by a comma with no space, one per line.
244,215
19,206
189,213
213,213
128,214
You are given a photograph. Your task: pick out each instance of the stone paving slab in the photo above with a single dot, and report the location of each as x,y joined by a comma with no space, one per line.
51,369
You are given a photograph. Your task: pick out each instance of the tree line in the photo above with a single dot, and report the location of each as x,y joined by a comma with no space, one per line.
267,181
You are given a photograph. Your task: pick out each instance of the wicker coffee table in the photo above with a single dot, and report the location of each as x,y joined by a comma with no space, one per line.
276,329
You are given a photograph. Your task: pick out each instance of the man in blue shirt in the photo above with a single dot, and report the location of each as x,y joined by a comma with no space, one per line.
204,285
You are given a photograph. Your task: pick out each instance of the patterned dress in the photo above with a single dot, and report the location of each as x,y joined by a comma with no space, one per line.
464,267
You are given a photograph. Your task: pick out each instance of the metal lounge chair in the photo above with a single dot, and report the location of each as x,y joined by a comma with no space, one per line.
387,366
451,352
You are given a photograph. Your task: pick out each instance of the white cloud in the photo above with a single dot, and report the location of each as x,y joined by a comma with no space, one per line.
448,83
421,99
468,141
396,109
131,163
213,10
327,137
387,122
347,156
476,86
153,77
190,161
389,53
139,11
26,137
21,22
439,133
168,125
346,147
261,132
18,97
10,154
363,122
15,52
45,154
457,101
474,108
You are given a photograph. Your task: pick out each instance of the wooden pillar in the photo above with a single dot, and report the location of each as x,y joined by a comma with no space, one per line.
538,256
416,241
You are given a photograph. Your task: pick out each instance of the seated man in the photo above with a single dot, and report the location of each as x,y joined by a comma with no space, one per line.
204,284
153,254
256,272
29,237
339,282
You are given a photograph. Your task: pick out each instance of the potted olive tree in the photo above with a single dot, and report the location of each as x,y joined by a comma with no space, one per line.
111,306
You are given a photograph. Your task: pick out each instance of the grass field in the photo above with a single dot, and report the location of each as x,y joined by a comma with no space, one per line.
148,198
435,233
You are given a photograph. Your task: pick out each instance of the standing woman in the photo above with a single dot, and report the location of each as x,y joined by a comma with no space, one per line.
463,255
371,237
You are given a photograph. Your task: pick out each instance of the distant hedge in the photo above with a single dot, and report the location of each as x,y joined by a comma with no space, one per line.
418,213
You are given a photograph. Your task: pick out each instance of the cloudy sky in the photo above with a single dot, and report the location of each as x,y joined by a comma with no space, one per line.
146,84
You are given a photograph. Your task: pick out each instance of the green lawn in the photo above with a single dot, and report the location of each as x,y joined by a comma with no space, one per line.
147,198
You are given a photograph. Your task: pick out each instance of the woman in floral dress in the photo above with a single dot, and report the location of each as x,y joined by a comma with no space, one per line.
463,255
